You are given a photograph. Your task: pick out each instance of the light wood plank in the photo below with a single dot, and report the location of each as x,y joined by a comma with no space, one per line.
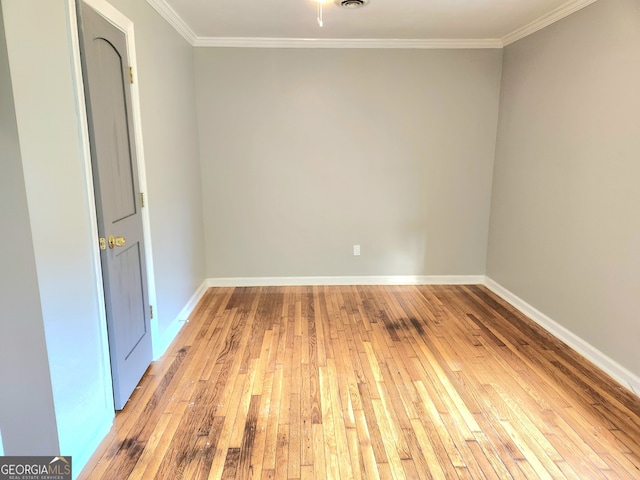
369,382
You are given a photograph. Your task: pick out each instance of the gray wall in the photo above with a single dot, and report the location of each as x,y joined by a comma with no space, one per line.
27,417
167,97
565,228
55,177
307,152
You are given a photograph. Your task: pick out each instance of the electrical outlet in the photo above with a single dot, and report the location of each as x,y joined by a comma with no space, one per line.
356,250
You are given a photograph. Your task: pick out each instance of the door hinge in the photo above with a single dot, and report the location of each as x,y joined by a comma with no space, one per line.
150,311
130,74
142,199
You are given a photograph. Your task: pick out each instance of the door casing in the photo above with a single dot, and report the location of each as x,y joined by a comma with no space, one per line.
120,21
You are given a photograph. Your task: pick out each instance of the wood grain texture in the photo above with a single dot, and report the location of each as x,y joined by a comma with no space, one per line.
370,382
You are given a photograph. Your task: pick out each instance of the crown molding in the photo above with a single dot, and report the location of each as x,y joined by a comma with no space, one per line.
171,16
558,14
247,42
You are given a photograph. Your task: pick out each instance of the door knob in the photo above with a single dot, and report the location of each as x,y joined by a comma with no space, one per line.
116,241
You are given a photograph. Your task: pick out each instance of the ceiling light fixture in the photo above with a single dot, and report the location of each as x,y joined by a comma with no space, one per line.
350,4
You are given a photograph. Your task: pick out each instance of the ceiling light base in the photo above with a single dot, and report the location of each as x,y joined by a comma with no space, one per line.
351,4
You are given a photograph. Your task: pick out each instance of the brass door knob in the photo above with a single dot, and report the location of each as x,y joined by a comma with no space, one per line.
116,241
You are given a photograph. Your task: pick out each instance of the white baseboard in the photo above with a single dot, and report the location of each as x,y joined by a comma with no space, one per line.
184,314
171,332
81,459
174,328
362,280
602,361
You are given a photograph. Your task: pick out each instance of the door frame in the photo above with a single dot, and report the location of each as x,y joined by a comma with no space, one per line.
117,19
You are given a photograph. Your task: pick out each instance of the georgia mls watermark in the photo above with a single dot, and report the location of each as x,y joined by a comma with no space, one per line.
35,468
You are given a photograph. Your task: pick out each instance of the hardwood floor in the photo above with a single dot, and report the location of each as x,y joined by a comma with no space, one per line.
370,382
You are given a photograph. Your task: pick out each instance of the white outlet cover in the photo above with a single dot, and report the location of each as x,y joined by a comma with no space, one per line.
356,249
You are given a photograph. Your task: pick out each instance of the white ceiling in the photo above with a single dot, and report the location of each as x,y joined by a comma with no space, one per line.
455,22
